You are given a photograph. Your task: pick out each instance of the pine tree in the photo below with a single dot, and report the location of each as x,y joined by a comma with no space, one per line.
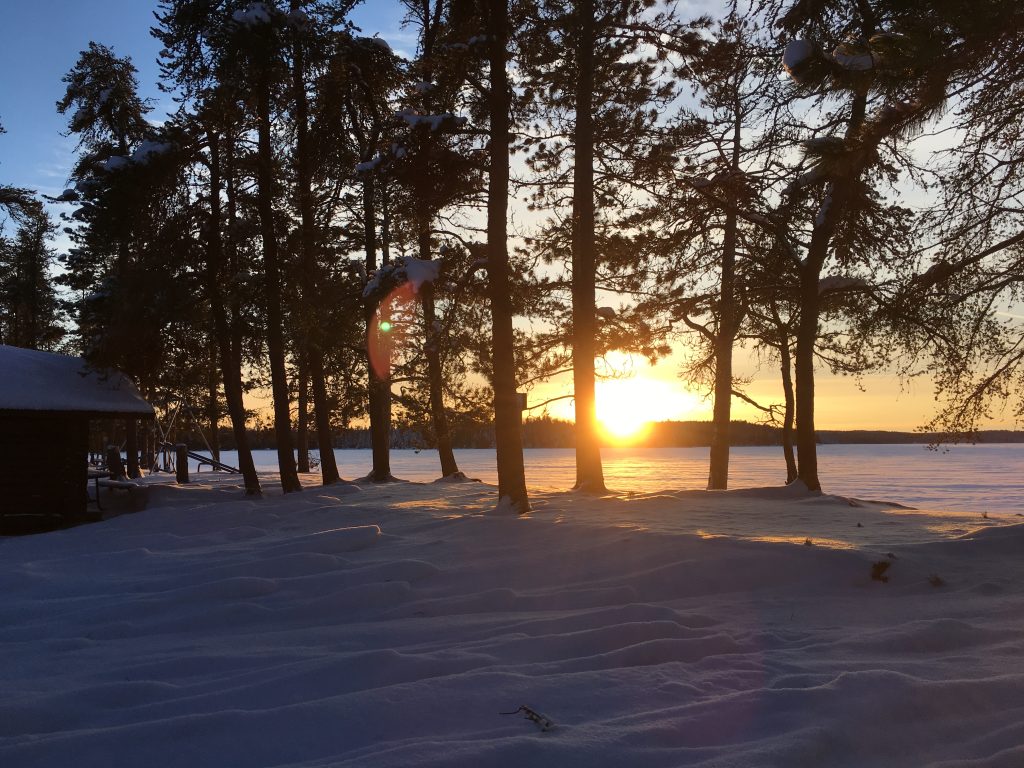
206,58
30,312
435,171
258,34
885,90
507,415
116,146
214,120
730,141
598,78
964,328
302,32
16,201
361,78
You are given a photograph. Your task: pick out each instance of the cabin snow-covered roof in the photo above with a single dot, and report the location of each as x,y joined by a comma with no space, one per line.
44,382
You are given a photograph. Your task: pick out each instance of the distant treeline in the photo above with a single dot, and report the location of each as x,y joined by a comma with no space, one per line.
556,433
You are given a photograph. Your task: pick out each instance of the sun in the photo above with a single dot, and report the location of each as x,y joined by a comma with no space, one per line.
623,427
626,408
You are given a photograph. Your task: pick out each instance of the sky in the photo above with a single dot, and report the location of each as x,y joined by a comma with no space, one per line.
40,41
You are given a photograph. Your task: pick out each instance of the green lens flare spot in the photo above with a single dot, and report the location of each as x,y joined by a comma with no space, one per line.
385,326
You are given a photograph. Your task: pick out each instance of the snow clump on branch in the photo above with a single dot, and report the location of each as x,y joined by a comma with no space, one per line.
398,152
408,269
145,152
298,18
149,149
370,165
841,283
420,271
115,163
853,57
256,13
796,54
434,122
377,41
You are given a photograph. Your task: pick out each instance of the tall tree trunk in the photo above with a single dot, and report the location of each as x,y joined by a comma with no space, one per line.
228,349
322,417
213,402
806,338
718,474
272,287
302,417
507,415
310,272
837,195
786,368
431,20
589,472
435,374
379,389
235,325
728,325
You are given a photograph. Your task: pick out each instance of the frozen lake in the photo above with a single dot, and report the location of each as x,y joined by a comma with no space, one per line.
980,478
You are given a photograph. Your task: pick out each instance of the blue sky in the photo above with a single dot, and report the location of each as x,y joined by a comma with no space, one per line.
40,41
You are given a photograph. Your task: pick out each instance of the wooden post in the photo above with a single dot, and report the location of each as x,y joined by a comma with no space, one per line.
148,454
114,464
181,462
132,449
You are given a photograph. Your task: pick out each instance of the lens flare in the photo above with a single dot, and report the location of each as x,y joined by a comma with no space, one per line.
382,336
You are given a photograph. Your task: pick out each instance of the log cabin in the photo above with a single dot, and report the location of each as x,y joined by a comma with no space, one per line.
46,403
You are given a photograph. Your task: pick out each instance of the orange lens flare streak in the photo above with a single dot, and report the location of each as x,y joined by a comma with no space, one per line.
384,335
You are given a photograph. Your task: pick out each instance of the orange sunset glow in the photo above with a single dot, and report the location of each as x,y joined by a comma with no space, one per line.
627,407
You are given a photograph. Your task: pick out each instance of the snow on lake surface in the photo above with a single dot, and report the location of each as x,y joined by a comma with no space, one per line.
976,478
390,626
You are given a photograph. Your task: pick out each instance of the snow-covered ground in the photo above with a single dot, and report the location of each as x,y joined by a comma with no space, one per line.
391,625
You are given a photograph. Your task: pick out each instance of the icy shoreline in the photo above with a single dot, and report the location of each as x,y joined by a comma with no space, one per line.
969,478
390,625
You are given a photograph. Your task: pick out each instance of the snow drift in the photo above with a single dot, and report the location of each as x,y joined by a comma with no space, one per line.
390,626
